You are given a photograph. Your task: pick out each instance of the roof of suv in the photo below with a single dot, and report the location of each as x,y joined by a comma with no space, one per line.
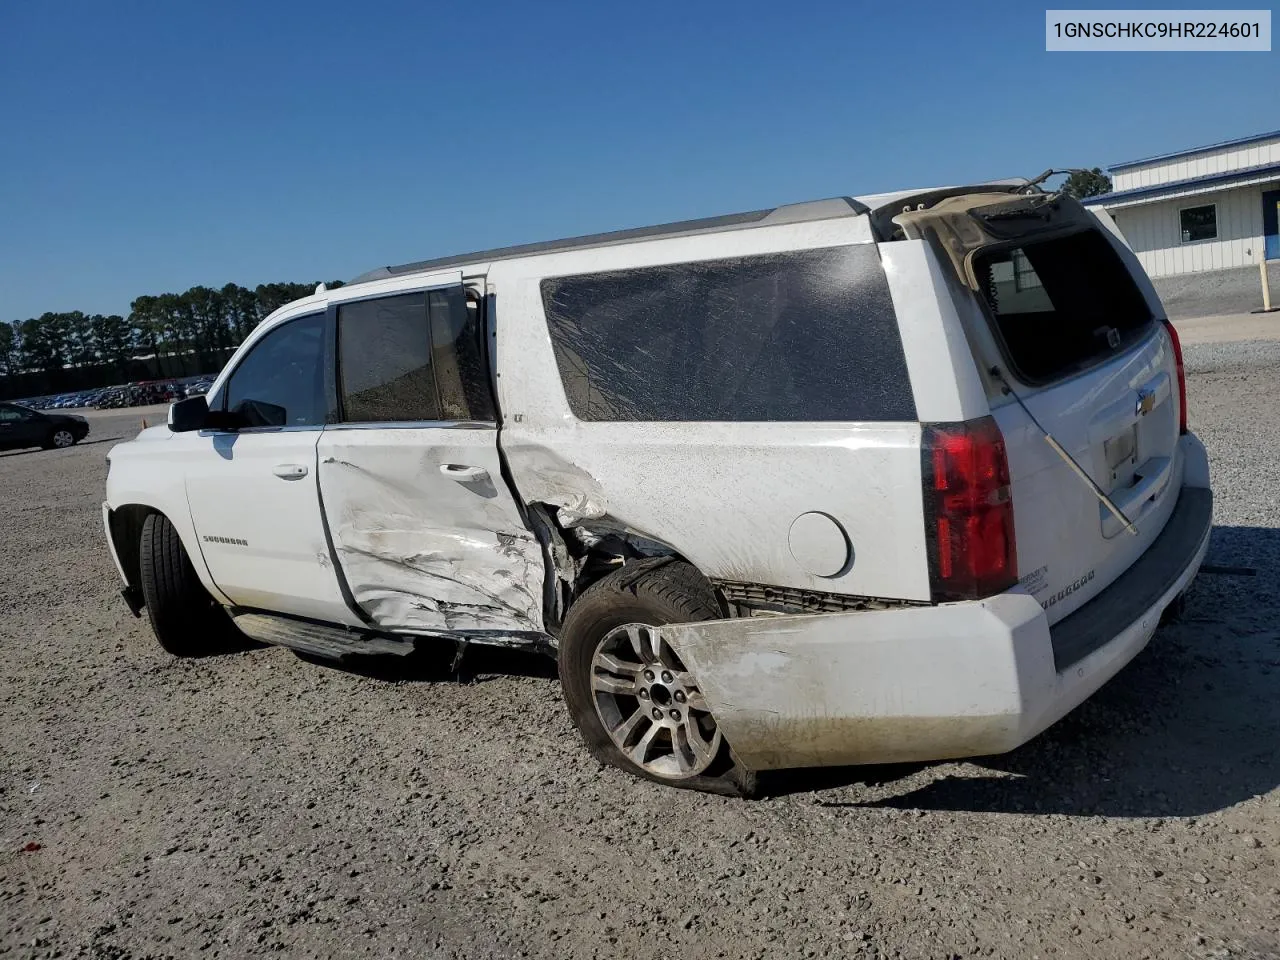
790,213
829,209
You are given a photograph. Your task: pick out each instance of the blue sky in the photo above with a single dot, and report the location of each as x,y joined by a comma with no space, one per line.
152,146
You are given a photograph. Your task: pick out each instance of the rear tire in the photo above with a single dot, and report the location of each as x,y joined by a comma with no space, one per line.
610,621
185,619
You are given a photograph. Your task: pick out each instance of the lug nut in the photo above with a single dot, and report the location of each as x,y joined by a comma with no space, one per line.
666,676
680,697
675,714
643,694
657,714
648,675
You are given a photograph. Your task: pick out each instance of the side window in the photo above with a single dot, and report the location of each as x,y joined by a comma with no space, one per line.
384,360
809,335
461,374
412,357
280,381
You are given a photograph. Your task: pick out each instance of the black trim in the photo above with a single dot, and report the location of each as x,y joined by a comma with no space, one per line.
1140,587
333,397
343,587
133,597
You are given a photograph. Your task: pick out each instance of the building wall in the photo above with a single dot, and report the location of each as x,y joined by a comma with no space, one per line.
1200,165
1154,232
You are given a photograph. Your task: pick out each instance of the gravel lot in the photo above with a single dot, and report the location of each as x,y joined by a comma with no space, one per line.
255,804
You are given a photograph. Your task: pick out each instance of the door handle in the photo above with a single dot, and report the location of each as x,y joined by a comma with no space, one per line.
290,471
462,472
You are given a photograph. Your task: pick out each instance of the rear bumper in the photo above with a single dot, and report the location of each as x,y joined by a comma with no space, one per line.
930,683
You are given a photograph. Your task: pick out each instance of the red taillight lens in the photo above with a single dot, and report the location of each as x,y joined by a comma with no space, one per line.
1182,377
968,510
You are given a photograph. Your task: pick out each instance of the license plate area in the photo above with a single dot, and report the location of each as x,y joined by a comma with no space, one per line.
1121,452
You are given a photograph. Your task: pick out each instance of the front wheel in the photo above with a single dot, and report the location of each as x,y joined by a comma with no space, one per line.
60,439
185,619
636,704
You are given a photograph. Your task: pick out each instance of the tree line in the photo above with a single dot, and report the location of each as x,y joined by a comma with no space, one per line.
170,334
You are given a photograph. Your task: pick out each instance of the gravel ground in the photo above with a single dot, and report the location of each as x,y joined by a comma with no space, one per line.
255,804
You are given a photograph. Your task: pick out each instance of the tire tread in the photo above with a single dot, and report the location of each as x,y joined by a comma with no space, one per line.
183,616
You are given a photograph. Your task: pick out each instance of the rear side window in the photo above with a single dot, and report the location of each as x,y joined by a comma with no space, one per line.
1061,305
462,377
384,360
411,358
805,336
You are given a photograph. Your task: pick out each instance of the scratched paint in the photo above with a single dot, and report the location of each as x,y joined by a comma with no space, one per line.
421,552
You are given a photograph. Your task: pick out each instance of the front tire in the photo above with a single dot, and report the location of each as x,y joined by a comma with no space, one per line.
636,705
185,619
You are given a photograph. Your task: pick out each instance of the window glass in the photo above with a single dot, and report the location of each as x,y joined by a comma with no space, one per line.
12,414
807,335
280,382
1081,306
458,356
1199,223
384,360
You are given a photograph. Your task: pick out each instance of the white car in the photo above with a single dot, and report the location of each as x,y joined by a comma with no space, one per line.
903,477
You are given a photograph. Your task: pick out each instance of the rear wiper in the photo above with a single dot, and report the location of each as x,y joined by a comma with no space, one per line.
1070,461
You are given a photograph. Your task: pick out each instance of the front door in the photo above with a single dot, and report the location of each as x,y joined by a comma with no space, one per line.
425,528
1271,223
253,491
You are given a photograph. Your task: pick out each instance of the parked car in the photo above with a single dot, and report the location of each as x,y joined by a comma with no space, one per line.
23,427
896,478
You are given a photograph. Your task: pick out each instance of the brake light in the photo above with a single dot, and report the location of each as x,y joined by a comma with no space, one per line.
1182,377
968,510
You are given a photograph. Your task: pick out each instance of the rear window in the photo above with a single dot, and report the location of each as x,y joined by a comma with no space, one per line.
805,336
1061,305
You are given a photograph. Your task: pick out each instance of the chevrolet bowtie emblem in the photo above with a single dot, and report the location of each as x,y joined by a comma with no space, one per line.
1146,402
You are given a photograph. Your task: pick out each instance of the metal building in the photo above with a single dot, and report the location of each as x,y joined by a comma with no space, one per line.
1205,209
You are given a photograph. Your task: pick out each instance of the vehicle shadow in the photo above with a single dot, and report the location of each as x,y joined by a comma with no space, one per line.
82,443
1188,728
479,664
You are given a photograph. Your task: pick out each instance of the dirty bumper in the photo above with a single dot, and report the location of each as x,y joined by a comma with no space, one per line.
920,683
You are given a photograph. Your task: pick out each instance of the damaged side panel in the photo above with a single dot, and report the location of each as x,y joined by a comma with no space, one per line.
426,532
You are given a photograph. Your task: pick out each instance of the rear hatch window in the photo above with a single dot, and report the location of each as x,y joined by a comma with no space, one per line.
1060,304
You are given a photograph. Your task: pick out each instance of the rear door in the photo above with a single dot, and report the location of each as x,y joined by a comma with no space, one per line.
425,529
1070,322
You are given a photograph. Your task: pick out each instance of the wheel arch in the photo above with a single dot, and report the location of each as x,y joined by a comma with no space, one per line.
581,555
124,526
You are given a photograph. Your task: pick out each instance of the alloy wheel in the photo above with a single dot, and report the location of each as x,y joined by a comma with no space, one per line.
651,705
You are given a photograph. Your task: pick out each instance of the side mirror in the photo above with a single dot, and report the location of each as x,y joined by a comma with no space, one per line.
188,415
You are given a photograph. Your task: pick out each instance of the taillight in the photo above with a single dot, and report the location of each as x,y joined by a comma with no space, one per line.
968,510
1182,377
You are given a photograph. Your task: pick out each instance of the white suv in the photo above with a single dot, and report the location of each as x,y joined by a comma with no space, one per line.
902,477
